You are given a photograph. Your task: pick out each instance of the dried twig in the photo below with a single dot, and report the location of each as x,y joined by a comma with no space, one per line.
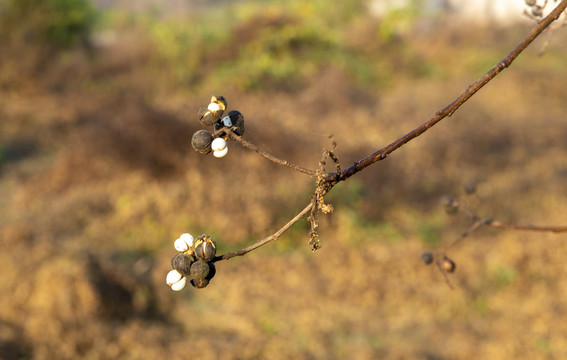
334,178
268,239
267,155
500,225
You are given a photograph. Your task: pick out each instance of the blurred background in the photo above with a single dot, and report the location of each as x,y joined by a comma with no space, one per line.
98,103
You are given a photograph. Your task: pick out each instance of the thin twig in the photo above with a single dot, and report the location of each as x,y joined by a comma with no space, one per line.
334,178
500,225
470,230
267,155
268,239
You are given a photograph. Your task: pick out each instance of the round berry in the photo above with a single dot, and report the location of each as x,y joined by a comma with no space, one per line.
205,248
182,263
427,258
201,142
221,153
218,144
199,283
234,121
175,280
199,269
448,265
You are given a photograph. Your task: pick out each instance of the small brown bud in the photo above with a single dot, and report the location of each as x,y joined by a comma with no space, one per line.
201,142
427,258
205,247
448,265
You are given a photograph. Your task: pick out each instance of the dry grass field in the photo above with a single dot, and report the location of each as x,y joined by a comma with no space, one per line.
97,178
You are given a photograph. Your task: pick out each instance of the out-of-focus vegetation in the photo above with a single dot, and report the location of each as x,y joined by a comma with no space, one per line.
62,23
97,178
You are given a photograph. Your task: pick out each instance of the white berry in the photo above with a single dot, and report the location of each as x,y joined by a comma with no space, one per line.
176,280
180,245
178,286
218,144
220,153
172,277
184,242
213,106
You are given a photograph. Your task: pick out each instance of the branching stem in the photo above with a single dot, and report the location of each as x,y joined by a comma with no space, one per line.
331,179
268,239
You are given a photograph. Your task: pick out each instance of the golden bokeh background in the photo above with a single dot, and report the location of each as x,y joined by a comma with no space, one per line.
97,178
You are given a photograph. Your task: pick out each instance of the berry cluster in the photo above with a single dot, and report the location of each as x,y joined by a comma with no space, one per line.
203,141
446,264
193,261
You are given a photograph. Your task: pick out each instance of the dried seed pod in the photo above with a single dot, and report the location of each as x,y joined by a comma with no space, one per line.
205,248
201,142
234,121
199,269
199,283
220,101
182,263
214,111
448,265
427,258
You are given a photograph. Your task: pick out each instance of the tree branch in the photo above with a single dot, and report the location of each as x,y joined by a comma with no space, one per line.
332,178
335,177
